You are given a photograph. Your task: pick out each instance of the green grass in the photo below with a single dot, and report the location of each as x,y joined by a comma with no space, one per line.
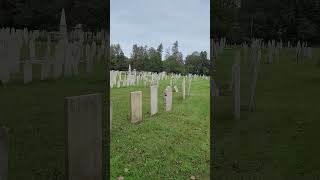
279,139
35,115
169,145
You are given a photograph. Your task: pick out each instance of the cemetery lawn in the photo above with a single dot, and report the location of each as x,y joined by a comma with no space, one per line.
36,118
280,139
168,145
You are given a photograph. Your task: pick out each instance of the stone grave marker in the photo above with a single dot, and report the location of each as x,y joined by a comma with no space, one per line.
176,88
189,86
154,99
84,137
168,98
184,88
27,72
4,146
236,91
136,106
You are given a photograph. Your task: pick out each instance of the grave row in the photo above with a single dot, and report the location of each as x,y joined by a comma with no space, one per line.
134,78
58,53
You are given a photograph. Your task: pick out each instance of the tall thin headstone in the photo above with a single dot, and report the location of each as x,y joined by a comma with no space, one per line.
154,99
168,98
236,87
184,88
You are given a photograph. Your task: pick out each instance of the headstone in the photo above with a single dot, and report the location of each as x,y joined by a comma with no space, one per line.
110,115
84,137
154,99
184,88
168,98
176,89
236,91
27,72
4,146
136,106
189,86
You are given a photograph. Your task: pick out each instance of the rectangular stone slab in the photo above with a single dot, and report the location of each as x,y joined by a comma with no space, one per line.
184,88
168,98
27,72
154,99
136,106
4,147
84,137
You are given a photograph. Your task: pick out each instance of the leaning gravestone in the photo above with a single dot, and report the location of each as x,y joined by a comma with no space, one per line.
4,153
136,106
154,99
84,137
168,98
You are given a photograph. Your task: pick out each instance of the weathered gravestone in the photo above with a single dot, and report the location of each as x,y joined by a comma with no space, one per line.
176,89
168,98
84,137
154,99
4,145
27,72
110,115
189,86
184,88
236,87
4,72
254,82
45,69
136,106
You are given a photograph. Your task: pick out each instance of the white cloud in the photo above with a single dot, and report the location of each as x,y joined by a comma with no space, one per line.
151,22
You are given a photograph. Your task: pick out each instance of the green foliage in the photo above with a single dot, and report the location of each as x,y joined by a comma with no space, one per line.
287,20
45,14
150,59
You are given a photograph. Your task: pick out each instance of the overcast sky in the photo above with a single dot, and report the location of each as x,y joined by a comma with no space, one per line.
151,22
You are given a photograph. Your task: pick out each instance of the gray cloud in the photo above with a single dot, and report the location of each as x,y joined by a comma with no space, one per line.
151,22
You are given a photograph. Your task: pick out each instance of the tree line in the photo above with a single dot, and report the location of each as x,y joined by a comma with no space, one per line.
45,14
286,20
144,58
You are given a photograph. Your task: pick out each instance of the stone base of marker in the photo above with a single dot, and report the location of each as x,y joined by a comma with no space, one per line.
136,106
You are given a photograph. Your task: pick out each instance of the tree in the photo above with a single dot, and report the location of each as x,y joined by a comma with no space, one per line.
118,61
174,60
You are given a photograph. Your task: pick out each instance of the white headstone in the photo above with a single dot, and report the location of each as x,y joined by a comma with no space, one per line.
154,99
